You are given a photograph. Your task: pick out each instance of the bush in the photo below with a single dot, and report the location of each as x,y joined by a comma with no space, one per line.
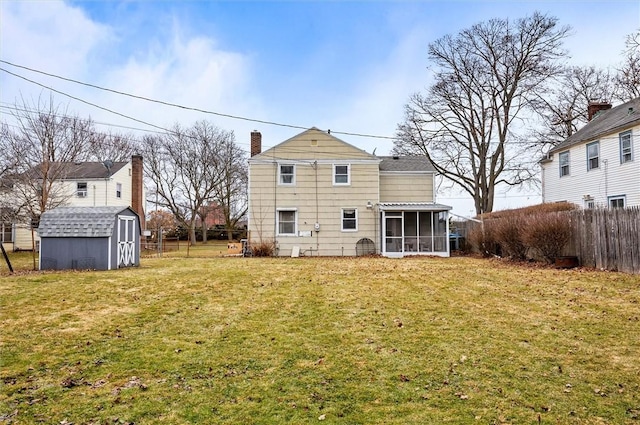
263,249
508,232
483,238
548,234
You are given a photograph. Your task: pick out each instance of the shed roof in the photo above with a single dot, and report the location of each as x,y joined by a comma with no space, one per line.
80,222
604,123
413,163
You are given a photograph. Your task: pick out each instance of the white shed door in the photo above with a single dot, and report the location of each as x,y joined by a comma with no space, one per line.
126,241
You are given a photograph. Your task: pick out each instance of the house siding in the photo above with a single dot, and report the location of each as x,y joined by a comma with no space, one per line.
402,187
611,178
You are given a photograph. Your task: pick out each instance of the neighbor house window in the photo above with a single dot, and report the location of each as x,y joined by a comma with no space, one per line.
616,201
287,174
118,190
626,153
341,175
349,220
593,155
287,222
81,190
6,234
564,163
590,204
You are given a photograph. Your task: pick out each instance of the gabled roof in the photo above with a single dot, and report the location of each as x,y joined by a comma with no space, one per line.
604,123
301,146
79,222
414,163
80,170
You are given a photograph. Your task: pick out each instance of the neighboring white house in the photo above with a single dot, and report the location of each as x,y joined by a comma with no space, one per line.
318,195
87,184
599,165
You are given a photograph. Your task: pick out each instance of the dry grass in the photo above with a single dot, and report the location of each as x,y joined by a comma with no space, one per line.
367,340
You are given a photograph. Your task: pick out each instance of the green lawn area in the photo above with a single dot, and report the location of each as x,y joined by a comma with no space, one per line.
320,340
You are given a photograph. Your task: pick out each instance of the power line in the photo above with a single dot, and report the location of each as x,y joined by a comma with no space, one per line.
175,105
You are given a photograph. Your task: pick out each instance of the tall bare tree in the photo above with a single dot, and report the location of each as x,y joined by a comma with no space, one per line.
563,106
231,193
182,165
628,77
44,136
485,76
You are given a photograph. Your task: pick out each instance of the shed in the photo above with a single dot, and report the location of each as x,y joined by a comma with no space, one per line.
100,238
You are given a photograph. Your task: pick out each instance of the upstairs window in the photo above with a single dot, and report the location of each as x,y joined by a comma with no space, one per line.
626,153
287,174
118,190
349,220
341,175
564,163
593,155
81,190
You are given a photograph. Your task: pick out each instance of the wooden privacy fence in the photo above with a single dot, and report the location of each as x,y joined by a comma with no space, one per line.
607,239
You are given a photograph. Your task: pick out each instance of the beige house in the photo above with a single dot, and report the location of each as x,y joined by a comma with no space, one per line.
315,194
86,184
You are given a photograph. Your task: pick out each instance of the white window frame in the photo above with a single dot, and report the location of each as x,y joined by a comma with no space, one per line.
295,221
590,166
626,154
343,218
563,160
82,192
615,199
335,175
118,190
589,204
281,175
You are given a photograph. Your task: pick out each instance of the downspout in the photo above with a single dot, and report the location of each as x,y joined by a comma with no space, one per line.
315,167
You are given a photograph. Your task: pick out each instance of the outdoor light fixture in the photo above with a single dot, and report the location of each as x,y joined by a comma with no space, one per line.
369,205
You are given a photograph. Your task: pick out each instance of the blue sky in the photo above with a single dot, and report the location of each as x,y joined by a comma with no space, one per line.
344,66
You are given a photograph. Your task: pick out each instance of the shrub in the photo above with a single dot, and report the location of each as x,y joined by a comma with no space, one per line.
548,234
263,249
508,232
483,238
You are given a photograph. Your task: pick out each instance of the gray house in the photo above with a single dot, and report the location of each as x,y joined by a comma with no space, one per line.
100,238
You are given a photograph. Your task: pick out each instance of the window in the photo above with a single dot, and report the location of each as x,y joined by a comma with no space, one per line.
626,153
589,204
81,190
349,220
118,190
6,234
287,222
564,163
287,174
593,155
341,175
616,201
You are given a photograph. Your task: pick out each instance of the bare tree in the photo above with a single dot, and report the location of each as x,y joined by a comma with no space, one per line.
112,146
628,77
563,106
231,193
182,165
486,75
45,137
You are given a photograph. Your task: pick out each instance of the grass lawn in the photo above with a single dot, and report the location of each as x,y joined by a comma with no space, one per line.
336,341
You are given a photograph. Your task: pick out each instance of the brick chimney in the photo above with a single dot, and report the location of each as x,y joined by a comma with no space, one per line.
137,200
595,107
256,142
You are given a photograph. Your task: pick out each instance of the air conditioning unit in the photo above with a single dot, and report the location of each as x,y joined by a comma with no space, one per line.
82,194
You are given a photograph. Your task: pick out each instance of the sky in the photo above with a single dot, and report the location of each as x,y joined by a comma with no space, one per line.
347,66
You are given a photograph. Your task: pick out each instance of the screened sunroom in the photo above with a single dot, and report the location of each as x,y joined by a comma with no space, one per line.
414,229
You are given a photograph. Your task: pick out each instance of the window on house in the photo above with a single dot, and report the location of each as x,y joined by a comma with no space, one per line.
341,174
626,153
564,163
616,201
118,190
589,204
349,220
6,235
593,155
81,190
287,174
287,222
